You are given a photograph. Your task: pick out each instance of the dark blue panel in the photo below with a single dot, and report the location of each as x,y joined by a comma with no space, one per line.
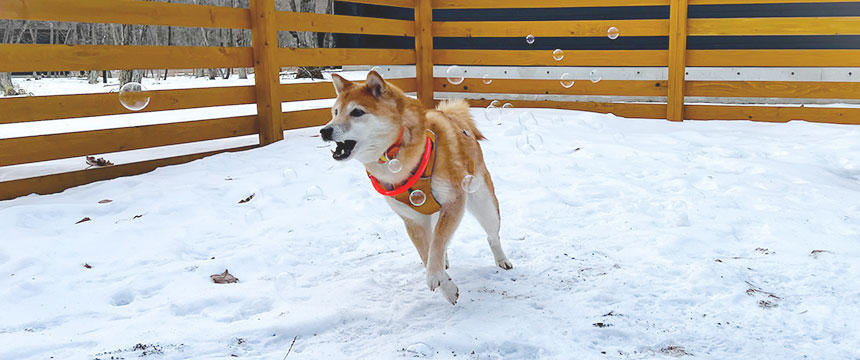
377,11
548,14
774,42
373,41
551,43
774,10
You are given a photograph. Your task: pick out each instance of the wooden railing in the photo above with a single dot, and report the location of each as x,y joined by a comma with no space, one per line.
267,59
677,58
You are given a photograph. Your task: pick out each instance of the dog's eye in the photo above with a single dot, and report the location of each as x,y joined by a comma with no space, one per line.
356,113
335,112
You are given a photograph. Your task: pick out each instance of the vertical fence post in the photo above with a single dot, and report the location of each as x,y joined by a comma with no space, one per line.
264,39
677,59
424,51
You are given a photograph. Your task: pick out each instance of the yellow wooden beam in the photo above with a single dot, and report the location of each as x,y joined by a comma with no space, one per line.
677,56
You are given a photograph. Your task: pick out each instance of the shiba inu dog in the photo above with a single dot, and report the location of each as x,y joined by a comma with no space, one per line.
443,171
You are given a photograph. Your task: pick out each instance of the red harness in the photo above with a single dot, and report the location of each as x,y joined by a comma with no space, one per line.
425,159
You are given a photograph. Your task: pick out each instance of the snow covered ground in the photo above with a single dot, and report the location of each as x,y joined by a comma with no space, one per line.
631,239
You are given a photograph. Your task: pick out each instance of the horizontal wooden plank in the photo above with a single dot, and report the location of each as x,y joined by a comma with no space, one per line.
774,89
628,110
519,4
126,12
27,57
325,89
774,58
332,57
774,26
580,28
36,108
544,57
554,87
300,21
29,149
306,118
397,3
49,184
726,2
773,113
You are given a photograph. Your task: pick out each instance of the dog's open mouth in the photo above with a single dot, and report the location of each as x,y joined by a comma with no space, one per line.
343,150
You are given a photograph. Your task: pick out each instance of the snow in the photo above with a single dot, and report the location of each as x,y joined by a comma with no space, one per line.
652,240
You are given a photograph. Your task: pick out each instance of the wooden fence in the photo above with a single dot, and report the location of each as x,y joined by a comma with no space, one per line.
267,58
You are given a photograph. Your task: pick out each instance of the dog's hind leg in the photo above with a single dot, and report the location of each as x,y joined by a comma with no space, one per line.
485,208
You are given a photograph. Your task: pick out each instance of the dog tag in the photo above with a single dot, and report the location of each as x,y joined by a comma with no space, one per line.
417,198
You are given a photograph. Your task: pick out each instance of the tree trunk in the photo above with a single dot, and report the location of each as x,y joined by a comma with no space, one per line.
6,85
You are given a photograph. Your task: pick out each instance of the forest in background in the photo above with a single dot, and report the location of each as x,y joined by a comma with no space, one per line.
70,33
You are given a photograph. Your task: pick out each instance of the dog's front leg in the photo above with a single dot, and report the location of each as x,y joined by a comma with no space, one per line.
449,219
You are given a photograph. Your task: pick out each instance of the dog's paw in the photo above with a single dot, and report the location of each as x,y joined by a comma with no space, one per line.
435,279
450,291
440,279
504,263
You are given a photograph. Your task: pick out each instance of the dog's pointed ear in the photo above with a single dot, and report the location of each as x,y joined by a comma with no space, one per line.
375,84
340,84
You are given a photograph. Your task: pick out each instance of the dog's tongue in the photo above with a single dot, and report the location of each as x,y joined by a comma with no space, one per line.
343,150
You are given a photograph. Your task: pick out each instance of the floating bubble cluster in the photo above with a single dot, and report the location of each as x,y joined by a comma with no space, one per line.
455,74
133,96
566,80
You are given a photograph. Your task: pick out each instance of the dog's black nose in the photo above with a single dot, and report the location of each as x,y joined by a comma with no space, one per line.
326,133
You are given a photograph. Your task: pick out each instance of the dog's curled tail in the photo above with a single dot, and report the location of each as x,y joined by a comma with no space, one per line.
458,111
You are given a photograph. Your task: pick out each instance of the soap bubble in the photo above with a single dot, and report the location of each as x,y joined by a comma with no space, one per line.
469,184
527,120
417,197
395,166
558,54
506,109
313,193
529,143
290,175
284,283
566,80
594,76
455,74
493,112
613,33
133,96
530,39
487,79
